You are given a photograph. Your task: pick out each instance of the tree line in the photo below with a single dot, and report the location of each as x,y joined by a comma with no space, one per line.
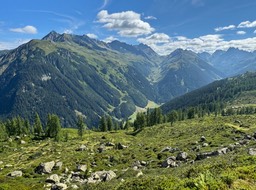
18,126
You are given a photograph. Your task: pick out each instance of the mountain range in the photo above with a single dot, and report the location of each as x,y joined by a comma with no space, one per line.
74,75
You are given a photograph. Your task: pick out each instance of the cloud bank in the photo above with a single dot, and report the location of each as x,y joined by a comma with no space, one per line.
128,23
27,30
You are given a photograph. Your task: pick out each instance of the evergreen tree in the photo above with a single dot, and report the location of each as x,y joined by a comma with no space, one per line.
27,127
3,132
109,123
191,113
80,126
172,117
38,129
53,127
103,124
127,125
140,121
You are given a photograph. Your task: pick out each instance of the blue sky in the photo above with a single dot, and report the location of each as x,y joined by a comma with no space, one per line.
199,25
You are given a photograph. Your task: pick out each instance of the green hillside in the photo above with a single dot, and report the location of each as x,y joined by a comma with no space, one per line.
235,92
138,161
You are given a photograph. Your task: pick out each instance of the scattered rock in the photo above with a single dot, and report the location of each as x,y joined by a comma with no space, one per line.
249,137
223,151
15,174
244,142
82,148
205,144
9,140
45,167
139,174
182,156
17,138
1,162
8,166
54,178
101,176
58,165
110,144
143,163
205,155
169,162
121,146
74,186
169,149
22,142
252,151
82,168
238,122
59,186
101,148
202,139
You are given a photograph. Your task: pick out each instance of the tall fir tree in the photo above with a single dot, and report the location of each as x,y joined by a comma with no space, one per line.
81,126
38,129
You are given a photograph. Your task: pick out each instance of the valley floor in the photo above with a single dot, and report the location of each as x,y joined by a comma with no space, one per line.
204,153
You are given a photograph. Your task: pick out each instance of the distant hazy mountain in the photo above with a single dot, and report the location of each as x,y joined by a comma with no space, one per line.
183,71
231,62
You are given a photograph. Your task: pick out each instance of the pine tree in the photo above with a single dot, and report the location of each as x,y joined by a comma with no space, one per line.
140,121
172,116
109,123
80,126
53,127
38,129
103,124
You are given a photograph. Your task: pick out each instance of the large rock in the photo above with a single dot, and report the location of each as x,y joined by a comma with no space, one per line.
15,174
45,167
121,146
182,156
205,155
54,178
101,176
169,162
252,151
58,165
223,150
82,168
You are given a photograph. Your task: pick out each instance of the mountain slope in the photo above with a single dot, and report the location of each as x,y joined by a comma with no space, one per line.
183,71
70,75
231,62
227,91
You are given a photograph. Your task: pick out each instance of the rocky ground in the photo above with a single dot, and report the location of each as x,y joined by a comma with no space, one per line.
200,153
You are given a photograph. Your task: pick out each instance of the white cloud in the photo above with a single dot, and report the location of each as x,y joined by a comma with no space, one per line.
27,30
6,45
230,27
150,18
247,24
68,31
241,32
93,36
109,39
155,39
206,43
127,23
